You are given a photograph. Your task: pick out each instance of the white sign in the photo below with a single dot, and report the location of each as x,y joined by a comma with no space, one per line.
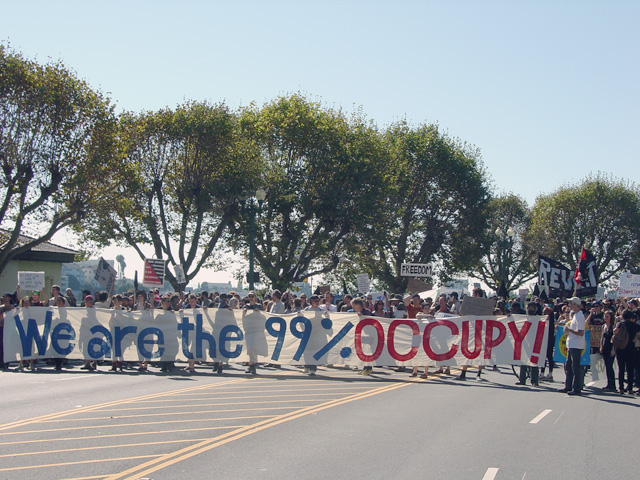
363,282
105,275
416,270
629,285
30,281
180,276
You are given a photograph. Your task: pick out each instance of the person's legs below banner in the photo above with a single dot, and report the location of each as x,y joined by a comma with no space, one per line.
575,375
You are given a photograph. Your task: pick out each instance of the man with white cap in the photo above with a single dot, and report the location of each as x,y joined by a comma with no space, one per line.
576,342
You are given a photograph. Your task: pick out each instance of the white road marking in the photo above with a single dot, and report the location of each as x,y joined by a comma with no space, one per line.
490,474
558,418
541,416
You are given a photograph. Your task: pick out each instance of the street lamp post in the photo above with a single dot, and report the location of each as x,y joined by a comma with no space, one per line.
260,196
505,240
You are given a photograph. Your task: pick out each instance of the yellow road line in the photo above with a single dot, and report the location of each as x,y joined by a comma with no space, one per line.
86,427
28,421
123,445
117,417
249,396
65,464
85,478
195,405
346,387
130,434
188,452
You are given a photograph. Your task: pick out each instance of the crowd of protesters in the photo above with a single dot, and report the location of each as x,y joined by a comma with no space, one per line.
616,319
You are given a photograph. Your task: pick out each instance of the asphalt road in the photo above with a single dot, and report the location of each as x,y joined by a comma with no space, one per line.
105,425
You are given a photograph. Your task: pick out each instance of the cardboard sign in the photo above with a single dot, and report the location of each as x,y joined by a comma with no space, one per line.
478,306
416,285
30,281
629,285
363,283
180,276
105,274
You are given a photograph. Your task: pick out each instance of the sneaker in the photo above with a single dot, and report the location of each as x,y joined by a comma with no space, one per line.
447,371
479,377
366,372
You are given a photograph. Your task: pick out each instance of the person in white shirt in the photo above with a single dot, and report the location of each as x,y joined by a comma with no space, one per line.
576,342
328,305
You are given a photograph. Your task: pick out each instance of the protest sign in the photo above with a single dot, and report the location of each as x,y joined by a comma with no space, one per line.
153,272
306,338
596,335
560,350
416,270
105,275
363,283
179,273
629,285
31,281
477,306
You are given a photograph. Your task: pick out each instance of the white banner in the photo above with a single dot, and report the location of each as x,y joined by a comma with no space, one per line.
629,285
306,338
30,281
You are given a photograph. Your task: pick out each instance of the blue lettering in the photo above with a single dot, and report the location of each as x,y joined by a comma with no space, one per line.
184,327
230,333
57,336
202,335
142,341
33,334
120,334
104,346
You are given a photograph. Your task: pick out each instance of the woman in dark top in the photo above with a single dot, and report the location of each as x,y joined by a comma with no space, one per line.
607,351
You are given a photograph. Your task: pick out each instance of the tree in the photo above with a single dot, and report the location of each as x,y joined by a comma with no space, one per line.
434,211
191,170
56,144
323,176
506,257
600,213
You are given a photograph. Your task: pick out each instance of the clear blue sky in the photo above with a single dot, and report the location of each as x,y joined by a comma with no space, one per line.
548,90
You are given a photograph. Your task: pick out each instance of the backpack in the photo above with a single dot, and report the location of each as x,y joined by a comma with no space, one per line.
620,338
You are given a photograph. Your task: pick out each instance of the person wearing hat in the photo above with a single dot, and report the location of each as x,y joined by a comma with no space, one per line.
576,342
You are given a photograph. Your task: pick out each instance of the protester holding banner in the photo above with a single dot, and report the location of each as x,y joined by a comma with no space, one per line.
6,306
253,306
55,293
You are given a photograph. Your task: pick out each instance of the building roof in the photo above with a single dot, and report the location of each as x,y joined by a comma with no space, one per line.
46,251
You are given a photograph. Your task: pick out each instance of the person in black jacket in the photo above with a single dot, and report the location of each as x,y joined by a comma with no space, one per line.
627,356
607,351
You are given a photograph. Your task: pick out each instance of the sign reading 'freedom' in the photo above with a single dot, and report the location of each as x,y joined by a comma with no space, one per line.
416,270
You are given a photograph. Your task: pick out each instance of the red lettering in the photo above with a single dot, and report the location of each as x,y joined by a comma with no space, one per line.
518,337
477,340
537,345
390,337
426,340
490,341
358,339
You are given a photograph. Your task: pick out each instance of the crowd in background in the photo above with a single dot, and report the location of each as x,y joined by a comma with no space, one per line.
614,318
